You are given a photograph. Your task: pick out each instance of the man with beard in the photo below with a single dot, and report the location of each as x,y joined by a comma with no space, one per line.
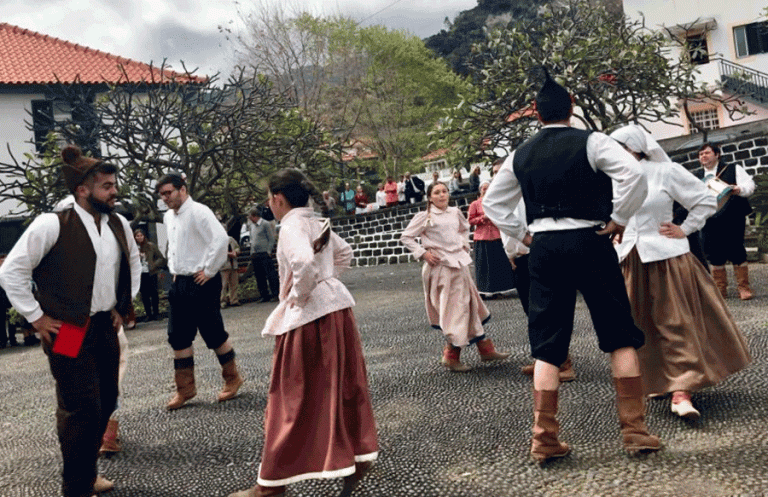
87,270
197,249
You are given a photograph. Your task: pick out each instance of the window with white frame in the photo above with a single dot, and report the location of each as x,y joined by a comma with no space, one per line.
751,39
705,118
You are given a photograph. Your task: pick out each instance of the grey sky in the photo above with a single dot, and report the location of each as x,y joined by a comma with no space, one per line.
188,30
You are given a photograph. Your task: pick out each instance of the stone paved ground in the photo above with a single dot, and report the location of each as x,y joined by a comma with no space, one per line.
441,434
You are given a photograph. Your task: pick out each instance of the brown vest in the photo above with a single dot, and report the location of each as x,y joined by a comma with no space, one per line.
64,278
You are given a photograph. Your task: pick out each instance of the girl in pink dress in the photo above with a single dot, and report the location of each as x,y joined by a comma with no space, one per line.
453,304
318,422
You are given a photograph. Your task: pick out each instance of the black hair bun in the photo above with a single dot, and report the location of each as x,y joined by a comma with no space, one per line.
71,153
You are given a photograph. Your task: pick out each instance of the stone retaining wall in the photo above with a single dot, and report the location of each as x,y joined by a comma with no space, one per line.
375,236
750,152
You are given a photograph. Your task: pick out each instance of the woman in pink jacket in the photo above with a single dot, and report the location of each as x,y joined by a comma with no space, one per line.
318,422
451,299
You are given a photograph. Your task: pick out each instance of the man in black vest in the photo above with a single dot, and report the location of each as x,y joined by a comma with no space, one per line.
87,270
414,189
723,235
564,177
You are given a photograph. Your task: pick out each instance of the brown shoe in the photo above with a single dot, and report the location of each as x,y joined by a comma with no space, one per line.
566,373
352,481
631,406
110,442
742,282
232,381
102,485
451,359
721,280
488,351
260,491
544,444
185,388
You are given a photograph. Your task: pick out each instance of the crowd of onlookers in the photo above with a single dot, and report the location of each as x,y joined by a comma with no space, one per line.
409,189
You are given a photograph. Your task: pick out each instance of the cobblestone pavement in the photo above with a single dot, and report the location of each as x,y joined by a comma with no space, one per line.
441,434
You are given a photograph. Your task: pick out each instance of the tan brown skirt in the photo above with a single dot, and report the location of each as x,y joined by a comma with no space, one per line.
319,420
453,303
691,339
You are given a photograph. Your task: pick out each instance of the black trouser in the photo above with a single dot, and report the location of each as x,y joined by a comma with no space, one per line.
195,307
523,281
562,263
86,392
264,271
149,295
723,238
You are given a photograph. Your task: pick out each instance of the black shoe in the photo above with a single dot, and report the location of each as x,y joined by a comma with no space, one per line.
31,340
3,345
274,298
262,300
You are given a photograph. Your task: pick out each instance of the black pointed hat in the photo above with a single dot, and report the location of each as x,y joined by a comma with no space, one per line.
553,102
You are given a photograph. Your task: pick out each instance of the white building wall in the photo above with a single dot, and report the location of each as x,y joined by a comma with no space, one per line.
720,43
14,112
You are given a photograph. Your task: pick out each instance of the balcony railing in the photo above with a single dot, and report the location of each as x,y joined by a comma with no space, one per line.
743,80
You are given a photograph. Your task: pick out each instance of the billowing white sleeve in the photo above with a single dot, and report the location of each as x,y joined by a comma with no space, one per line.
501,199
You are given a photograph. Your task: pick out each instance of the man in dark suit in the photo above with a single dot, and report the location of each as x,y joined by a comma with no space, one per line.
414,189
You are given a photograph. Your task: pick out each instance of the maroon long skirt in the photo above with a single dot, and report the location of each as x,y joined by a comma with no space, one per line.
319,420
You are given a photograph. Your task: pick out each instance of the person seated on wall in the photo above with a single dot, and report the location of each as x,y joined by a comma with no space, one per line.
456,185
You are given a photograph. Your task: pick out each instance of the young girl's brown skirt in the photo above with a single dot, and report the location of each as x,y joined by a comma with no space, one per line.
318,420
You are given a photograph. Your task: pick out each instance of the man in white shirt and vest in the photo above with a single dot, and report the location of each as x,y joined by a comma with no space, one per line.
197,249
723,235
564,176
86,269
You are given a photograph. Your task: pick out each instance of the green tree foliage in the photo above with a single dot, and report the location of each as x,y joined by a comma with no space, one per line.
226,139
369,84
616,69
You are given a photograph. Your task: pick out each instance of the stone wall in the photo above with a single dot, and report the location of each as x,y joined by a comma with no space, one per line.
375,236
749,151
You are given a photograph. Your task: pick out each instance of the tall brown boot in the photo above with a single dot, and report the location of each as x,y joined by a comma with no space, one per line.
110,442
631,406
721,280
544,444
742,281
566,372
452,359
488,351
185,384
232,381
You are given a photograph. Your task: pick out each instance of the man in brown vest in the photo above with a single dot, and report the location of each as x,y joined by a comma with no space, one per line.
86,270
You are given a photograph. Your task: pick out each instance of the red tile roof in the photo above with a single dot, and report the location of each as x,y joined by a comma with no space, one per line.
28,57
435,154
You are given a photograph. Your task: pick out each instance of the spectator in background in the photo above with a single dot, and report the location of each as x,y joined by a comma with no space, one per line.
361,200
262,244
329,204
474,180
381,196
390,188
230,276
347,199
435,176
455,186
401,190
414,189
152,262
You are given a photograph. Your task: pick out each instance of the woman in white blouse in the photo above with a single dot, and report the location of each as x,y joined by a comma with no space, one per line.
452,301
691,339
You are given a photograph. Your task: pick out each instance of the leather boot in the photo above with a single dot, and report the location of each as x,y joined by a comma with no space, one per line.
566,372
631,406
259,491
451,359
544,444
110,442
352,481
742,281
232,381
721,280
185,388
488,351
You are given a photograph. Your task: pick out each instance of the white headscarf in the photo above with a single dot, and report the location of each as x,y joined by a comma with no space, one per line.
638,140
